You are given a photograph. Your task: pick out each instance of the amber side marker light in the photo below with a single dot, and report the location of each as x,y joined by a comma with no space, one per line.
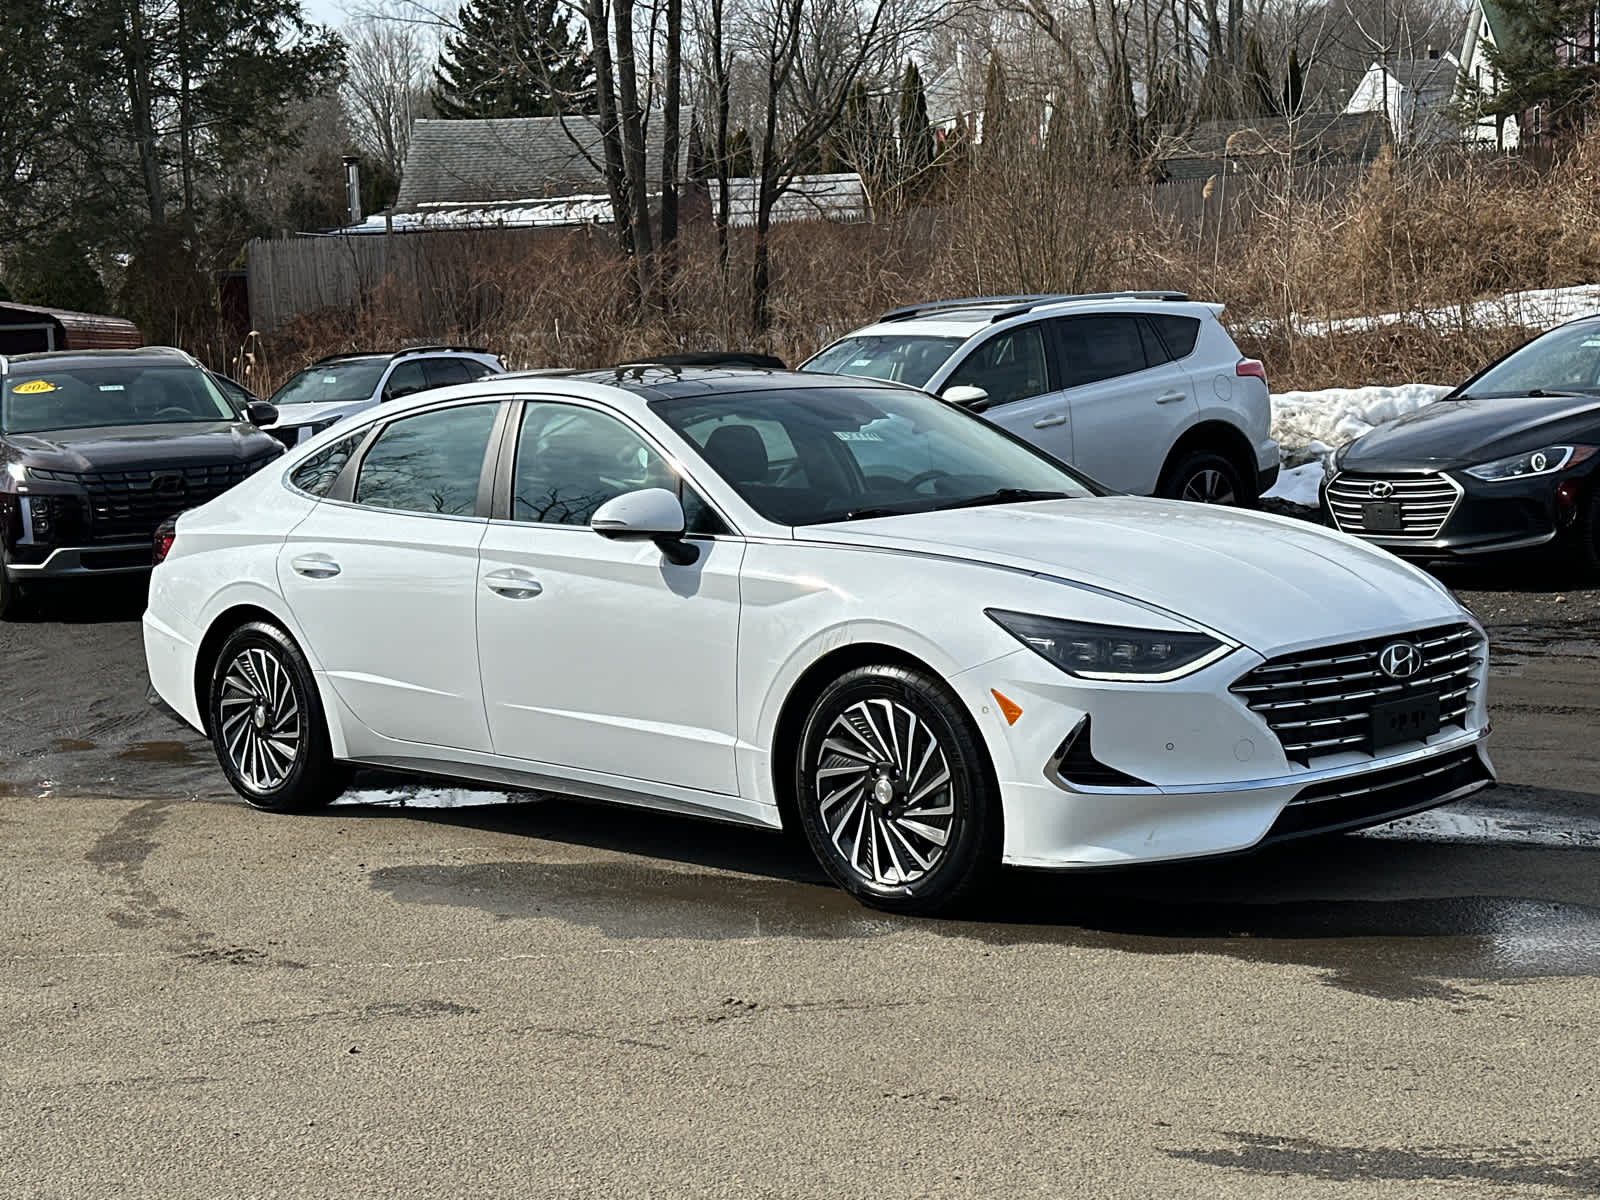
1008,706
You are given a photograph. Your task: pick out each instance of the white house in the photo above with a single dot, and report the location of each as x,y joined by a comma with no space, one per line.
1415,96
1486,27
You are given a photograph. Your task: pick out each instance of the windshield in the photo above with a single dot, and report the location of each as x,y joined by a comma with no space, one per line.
909,360
1563,360
333,383
86,397
804,456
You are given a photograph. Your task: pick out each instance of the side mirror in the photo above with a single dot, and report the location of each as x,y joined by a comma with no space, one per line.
259,412
966,396
652,513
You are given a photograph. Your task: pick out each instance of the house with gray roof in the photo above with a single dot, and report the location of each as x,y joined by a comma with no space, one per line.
1416,96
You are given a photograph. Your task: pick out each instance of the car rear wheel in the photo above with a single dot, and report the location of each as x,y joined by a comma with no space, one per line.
267,723
1205,477
895,792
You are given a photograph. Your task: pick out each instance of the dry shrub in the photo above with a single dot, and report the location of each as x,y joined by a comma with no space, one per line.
1419,236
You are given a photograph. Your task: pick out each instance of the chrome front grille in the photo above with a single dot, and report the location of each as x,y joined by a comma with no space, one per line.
1320,702
1425,503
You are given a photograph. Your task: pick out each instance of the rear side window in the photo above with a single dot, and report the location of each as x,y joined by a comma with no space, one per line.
1179,333
429,463
474,368
317,474
1098,348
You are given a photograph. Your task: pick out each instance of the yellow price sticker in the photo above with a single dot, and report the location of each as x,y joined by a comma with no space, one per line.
33,387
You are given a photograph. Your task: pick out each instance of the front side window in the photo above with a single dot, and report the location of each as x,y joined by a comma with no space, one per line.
332,383
571,460
428,463
404,380
1098,348
898,358
317,474
1009,366
36,399
858,452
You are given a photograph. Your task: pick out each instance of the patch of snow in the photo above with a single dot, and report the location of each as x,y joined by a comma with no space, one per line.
1537,308
1466,821
1300,485
1310,426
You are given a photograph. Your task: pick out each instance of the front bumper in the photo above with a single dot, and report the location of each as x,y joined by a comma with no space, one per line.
79,562
1185,770
1486,518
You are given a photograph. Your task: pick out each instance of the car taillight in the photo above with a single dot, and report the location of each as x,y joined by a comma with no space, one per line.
1251,366
166,534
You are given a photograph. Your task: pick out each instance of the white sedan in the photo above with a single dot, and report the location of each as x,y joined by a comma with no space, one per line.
774,598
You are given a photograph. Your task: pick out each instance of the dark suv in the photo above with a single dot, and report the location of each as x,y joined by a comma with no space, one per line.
97,448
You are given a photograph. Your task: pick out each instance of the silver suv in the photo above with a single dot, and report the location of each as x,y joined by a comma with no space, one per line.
331,389
1143,391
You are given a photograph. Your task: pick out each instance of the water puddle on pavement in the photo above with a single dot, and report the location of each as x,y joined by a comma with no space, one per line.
1396,918
176,754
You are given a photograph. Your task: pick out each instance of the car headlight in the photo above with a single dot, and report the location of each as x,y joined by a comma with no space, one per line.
1338,455
1112,651
1545,461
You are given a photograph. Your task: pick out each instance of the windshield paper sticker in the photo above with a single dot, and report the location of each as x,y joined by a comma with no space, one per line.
34,387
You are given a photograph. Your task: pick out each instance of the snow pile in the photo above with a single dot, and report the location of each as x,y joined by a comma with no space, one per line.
1312,425
1537,308
1300,486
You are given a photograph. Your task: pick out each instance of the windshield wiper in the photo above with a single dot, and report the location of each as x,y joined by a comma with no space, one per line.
1003,496
1557,393
866,514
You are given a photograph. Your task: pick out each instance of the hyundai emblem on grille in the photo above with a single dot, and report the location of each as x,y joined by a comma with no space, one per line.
167,483
1382,490
1400,660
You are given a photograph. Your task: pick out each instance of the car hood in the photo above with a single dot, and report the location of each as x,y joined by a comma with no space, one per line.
292,415
140,447
1271,583
1448,434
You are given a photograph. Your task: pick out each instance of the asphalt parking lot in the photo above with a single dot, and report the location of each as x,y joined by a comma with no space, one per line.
424,993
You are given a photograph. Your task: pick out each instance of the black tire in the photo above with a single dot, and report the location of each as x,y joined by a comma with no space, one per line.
13,601
1206,477
1583,540
267,723
905,871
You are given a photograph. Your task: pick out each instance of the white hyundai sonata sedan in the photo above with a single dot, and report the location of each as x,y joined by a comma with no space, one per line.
774,598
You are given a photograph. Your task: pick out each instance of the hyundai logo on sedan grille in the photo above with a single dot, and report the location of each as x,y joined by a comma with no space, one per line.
1400,660
1382,490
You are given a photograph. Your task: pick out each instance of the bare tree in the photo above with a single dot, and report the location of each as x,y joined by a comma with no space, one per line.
386,88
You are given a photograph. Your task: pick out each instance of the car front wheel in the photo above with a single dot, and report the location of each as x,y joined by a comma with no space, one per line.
267,723
895,792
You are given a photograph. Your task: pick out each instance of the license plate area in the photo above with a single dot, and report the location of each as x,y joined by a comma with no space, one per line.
1381,516
1410,719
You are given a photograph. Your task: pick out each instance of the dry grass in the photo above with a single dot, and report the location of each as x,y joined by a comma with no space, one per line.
1413,236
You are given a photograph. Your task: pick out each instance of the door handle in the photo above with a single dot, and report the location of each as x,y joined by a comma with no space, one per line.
1047,422
1172,397
513,584
315,566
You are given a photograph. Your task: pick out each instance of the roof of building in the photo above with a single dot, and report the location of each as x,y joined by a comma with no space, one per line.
78,331
1254,143
1419,74
514,159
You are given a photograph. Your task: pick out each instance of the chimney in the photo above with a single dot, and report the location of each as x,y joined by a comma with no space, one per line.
1433,53
352,187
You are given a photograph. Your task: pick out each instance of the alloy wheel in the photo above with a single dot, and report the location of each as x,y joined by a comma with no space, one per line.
884,793
260,718
1208,486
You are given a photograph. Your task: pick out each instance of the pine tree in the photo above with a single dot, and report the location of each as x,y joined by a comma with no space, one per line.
916,138
514,58
1260,94
1294,85
996,115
